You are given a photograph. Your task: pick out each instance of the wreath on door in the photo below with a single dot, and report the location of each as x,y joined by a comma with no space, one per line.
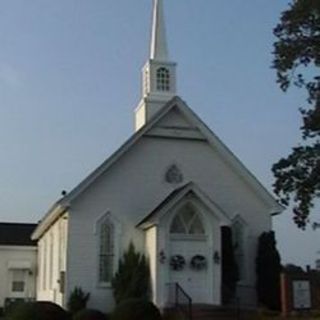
198,262
177,262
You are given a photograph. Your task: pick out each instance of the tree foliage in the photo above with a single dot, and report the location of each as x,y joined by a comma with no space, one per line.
297,61
132,280
268,268
292,268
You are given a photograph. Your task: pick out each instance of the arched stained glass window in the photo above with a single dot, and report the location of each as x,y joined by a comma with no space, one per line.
187,221
163,79
106,250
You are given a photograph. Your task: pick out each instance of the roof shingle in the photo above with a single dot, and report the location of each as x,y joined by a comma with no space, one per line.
17,234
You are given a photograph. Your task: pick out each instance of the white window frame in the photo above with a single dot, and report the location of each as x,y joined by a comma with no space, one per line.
163,79
107,218
18,294
188,236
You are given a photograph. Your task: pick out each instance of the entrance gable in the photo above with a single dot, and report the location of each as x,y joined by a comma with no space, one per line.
178,197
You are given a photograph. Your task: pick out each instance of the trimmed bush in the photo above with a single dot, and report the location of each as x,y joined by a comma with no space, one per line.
78,300
136,309
90,314
40,310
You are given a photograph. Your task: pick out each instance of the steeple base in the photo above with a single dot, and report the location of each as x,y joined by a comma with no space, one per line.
147,108
158,74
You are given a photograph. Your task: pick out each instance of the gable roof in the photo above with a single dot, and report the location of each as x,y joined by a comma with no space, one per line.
208,135
174,197
17,234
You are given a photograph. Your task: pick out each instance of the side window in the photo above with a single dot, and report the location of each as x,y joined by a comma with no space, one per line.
187,221
163,79
18,281
106,250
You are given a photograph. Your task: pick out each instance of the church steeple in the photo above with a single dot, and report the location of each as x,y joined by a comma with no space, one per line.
159,74
159,49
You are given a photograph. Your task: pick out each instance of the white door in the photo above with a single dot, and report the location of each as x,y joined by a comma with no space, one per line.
194,282
188,238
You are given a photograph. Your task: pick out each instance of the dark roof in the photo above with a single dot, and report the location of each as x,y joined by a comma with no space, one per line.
17,234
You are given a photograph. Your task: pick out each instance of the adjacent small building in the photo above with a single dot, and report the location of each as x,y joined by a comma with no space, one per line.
18,260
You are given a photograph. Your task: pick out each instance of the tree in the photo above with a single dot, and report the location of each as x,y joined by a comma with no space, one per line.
132,280
297,61
268,268
292,268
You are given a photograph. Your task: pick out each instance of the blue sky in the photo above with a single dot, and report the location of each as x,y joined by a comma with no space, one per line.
70,80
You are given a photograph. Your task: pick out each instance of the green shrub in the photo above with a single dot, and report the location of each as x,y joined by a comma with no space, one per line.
90,314
268,268
40,310
77,300
136,309
132,280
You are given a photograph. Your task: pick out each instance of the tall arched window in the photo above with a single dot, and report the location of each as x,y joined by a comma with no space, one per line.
106,250
187,221
163,79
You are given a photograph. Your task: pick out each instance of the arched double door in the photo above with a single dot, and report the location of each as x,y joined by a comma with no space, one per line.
188,237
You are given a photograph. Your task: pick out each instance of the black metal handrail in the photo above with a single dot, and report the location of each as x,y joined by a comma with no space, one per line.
182,301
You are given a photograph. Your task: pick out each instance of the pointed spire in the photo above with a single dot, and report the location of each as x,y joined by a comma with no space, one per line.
159,49
158,74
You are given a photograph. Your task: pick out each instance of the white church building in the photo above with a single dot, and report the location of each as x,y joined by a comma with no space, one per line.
168,189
